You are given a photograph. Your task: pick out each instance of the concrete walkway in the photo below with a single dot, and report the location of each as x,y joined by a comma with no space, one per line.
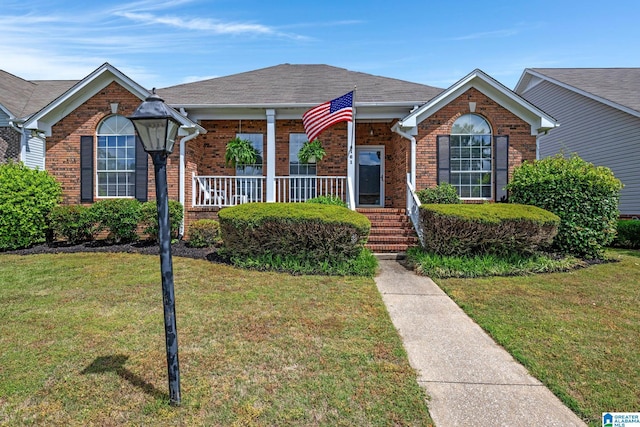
469,379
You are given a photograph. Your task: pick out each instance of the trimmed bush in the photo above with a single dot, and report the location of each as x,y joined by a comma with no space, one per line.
149,218
328,200
584,196
204,233
496,228
73,223
26,198
119,217
628,234
442,193
309,231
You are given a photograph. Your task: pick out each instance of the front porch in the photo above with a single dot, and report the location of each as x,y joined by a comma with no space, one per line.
222,191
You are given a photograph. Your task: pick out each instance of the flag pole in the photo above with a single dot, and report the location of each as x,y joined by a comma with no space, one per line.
351,168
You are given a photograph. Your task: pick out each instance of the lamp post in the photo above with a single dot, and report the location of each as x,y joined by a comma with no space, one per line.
157,127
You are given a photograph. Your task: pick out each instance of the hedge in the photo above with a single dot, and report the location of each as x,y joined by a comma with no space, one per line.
26,198
452,229
307,230
584,196
628,234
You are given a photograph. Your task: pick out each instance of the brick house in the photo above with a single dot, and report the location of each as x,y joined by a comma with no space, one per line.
405,136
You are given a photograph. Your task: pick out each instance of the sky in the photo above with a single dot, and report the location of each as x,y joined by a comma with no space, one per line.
164,43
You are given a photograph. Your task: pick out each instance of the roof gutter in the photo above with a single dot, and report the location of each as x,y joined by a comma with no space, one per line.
396,128
179,106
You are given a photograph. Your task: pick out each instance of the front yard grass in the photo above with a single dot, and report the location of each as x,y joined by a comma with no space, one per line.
578,332
82,343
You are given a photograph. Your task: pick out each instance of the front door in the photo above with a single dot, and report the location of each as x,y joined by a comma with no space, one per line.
370,176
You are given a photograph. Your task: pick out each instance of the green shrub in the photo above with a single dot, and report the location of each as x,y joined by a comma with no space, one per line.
204,233
26,198
149,218
308,230
364,264
584,196
628,234
442,193
119,217
496,228
73,223
328,200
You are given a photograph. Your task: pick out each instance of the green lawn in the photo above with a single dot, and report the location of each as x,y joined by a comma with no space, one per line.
578,332
82,343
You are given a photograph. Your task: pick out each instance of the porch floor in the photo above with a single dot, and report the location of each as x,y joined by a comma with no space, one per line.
391,230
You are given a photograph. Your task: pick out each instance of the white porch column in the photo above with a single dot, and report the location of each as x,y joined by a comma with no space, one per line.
351,162
271,155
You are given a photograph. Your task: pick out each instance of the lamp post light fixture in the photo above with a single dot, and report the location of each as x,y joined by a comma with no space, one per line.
157,127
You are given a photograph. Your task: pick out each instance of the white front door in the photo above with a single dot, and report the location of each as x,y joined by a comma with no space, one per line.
370,176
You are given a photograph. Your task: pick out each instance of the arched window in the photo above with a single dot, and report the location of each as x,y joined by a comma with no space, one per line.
471,157
116,158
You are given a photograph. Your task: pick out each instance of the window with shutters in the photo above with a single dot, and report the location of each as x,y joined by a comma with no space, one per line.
470,159
116,158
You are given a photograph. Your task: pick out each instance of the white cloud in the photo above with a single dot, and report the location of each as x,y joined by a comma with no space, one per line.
199,24
488,34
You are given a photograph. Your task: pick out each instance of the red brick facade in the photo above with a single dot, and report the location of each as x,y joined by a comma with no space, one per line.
522,145
63,146
205,153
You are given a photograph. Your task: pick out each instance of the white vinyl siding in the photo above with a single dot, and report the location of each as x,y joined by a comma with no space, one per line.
33,153
598,133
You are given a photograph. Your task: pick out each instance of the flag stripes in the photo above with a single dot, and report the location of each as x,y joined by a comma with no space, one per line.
327,114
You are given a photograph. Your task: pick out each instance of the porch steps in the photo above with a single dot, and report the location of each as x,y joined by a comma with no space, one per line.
391,230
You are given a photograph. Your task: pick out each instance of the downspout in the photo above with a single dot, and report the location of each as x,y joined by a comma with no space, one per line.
414,150
183,151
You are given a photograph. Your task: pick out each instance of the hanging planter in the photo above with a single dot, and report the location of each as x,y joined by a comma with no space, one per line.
310,152
240,152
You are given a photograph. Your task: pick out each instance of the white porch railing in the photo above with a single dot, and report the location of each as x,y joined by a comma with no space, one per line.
226,190
292,189
413,204
223,191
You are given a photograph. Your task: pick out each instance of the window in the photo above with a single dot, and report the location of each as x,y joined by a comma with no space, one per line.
296,141
116,158
250,187
471,157
255,169
302,175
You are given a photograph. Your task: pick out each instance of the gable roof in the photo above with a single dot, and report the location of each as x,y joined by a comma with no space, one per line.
21,98
617,87
296,84
478,79
81,91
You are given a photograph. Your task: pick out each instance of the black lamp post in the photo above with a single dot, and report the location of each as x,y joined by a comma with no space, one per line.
157,127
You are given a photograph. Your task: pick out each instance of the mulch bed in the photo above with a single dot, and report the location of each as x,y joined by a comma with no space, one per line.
179,249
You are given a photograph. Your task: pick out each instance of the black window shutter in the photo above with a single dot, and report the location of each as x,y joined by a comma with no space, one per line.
86,169
443,159
141,171
502,166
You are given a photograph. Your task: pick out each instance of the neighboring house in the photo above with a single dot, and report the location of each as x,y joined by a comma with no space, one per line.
19,99
599,113
406,135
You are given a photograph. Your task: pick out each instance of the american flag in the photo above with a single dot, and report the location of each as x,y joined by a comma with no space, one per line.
328,114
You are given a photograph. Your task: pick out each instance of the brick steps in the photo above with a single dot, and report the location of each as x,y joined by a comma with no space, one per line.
391,230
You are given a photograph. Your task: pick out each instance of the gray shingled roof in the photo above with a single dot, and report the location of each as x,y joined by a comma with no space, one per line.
619,85
25,97
296,84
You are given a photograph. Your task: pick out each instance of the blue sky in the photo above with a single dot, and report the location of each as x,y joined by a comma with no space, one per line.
163,43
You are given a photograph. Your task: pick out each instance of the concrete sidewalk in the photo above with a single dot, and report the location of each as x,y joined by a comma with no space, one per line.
469,379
